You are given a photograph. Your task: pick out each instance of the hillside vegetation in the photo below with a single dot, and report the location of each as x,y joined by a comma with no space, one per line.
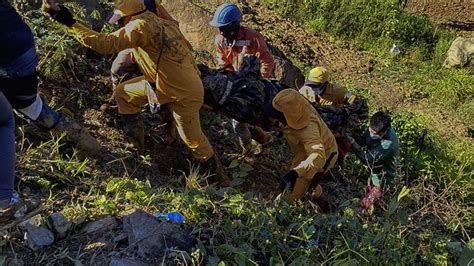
427,219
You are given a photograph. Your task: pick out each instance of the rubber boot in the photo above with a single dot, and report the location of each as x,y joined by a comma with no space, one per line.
135,132
87,145
170,126
214,167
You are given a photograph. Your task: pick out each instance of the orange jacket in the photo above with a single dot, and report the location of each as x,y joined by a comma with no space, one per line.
249,42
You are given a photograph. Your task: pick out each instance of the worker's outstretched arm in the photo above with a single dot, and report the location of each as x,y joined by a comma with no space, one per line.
266,58
126,37
375,156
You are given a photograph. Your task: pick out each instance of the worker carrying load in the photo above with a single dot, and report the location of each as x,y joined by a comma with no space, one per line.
124,68
233,43
170,75
246,98
341,110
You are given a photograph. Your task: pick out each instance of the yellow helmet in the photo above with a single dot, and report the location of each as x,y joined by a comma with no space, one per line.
125,8
318,75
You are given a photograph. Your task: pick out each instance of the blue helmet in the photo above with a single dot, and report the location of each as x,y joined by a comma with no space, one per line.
226,14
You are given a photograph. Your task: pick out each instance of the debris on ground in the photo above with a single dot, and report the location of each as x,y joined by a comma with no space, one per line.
37,236
100,226
460,54
60,225
151,237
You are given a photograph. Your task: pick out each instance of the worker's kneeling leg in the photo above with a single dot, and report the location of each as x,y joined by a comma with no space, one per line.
131,95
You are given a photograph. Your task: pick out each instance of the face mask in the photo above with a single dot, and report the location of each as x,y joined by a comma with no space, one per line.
375,137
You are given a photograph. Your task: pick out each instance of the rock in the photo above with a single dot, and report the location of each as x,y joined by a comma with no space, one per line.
126,262
152,237
120,239
100,226
37,237
36,220
194,23
461,53
60,225
287,74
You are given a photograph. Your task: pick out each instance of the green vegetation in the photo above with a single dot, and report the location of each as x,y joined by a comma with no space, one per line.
371,25
426,220
241,228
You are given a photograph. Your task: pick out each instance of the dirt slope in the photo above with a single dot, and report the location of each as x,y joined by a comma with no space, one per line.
457,14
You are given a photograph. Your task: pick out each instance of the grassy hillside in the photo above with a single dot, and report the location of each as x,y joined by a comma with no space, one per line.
427,219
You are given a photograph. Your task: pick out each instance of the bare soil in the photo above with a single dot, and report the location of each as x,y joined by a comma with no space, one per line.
456,14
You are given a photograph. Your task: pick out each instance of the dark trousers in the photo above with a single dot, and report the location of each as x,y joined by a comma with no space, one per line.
7,148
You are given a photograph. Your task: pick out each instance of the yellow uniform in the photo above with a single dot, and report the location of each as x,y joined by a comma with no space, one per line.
332,95
328,93
309,138
164,58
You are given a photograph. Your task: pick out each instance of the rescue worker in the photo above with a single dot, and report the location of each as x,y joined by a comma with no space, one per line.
341,110
312,143
170,75
124,68
382,156
19,81
233,43
319,90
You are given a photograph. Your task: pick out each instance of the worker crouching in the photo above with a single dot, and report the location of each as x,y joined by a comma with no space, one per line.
170,75
312,143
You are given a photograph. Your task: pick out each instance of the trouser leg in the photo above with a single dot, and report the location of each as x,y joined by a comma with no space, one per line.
190,131
22,93
7,150
131,95
243,135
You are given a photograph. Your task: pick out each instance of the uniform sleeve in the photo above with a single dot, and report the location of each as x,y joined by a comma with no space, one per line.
313,145
335,94
163,13
126,37
221,56
266,58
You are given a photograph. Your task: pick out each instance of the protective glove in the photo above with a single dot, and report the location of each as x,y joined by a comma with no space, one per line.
372,194
59,13
289,180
